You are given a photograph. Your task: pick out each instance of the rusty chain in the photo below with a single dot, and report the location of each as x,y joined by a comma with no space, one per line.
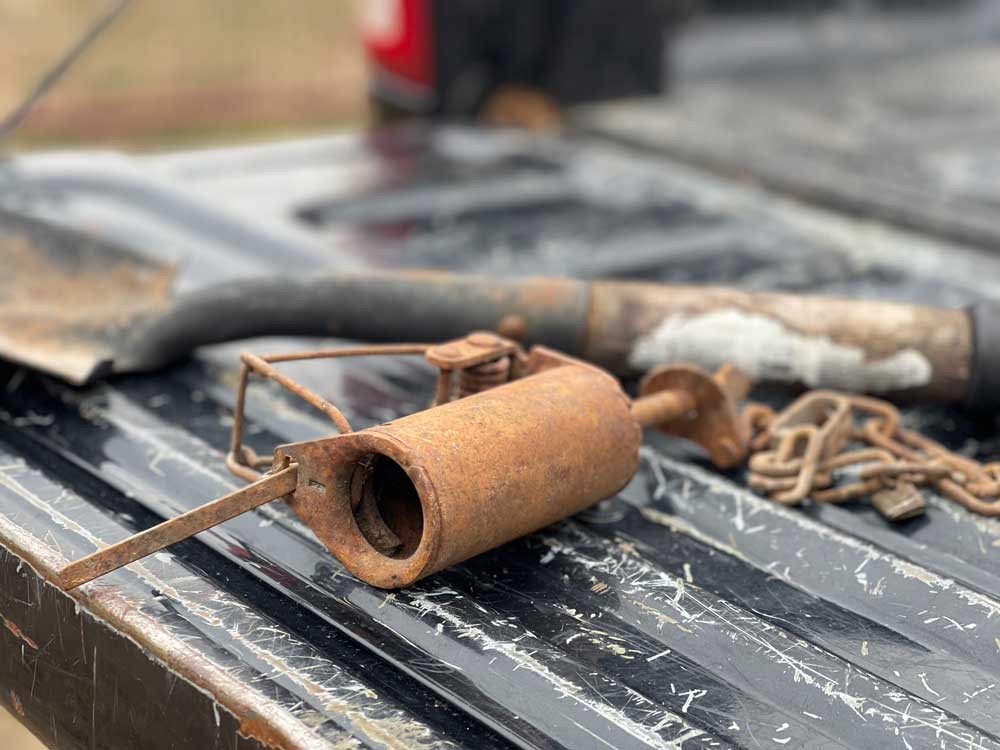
835,447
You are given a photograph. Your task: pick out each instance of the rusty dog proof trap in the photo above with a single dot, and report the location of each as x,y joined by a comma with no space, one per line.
514,440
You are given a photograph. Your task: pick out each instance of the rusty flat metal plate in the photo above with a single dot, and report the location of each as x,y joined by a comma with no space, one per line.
67,297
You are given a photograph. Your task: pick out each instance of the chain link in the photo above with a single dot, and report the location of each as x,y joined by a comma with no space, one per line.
835,447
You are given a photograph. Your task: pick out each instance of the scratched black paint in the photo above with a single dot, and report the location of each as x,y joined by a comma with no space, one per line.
79,684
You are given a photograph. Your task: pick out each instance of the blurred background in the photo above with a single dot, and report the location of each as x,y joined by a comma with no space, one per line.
170,75
167,74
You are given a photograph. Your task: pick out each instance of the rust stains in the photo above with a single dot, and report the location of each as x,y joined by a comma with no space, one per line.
63,313
15,703
18,633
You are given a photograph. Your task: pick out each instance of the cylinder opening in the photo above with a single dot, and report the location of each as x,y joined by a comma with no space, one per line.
386,506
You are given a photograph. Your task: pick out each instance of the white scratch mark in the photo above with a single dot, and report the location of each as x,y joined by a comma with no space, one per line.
692,695
923,679
93,705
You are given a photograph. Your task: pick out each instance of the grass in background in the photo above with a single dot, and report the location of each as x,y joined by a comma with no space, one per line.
185,70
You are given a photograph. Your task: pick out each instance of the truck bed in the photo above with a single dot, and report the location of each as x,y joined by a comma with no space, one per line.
686,612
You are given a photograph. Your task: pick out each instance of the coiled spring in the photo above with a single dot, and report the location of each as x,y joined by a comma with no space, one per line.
479,378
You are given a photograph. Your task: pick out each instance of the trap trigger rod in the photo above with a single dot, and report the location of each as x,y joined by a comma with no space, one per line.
265,490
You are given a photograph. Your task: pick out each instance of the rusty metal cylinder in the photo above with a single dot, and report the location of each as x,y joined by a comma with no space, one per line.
867,346
405,499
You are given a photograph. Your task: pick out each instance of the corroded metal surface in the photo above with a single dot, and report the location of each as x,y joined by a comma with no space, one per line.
177,529
465,477
66,298
408,498
403,500
685,401
688,611
858,345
